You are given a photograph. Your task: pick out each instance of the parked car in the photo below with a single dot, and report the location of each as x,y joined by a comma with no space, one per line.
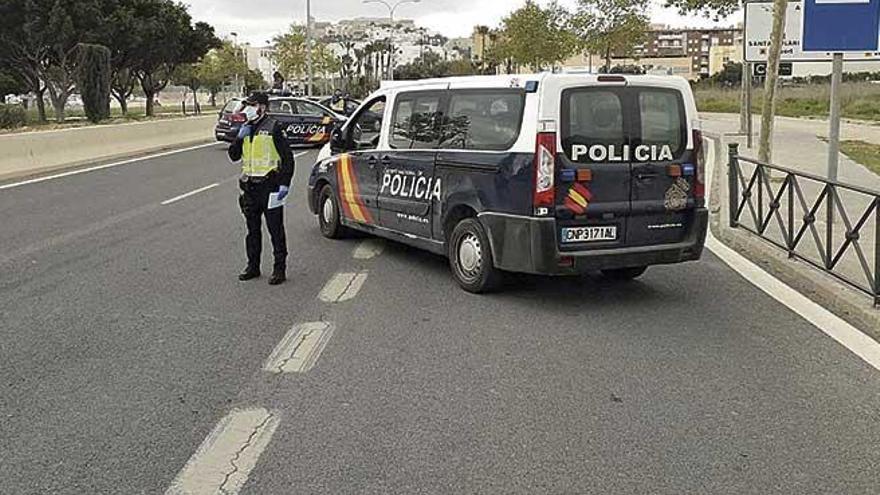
306,122
553,174
229,120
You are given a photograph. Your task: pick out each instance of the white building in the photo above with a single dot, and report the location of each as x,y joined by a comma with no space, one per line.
259,58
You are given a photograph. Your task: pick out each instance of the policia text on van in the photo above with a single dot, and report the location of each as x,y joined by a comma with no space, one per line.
546,174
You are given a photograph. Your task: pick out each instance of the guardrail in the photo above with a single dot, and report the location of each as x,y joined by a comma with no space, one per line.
783,216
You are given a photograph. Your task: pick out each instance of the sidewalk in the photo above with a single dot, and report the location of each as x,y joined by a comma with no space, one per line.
797,145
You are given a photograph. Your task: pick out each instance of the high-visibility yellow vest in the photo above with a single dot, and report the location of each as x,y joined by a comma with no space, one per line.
259,156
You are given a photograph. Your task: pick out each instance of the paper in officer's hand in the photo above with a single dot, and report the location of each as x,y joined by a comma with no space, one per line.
274,202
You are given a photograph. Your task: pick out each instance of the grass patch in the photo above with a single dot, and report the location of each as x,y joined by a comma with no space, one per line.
867,154
861,101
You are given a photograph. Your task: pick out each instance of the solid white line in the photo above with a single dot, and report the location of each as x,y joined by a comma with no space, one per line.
832,325
368,249
191,193
229,453
342,287
102,167
300,348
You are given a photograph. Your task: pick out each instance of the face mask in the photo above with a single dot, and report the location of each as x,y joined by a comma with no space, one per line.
251,113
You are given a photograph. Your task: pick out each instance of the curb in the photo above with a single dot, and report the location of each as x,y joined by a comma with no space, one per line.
36,172
852,306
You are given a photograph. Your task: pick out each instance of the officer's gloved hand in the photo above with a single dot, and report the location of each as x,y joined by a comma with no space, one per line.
244,131
282,192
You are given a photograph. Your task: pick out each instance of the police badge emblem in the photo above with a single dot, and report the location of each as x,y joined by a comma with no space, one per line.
677,195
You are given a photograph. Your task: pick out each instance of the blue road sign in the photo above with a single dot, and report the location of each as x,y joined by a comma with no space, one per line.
841,25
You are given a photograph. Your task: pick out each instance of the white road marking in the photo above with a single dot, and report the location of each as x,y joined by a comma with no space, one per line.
832,325
342,287
300,348
102,167
368,249
191,193
229,453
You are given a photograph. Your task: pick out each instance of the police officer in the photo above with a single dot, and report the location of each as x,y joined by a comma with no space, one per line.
266,171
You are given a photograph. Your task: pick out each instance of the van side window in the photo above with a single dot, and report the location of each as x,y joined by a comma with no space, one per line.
483,120
662,121
414,125
365,127
594,117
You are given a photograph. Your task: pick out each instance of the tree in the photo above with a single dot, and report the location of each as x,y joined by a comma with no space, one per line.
730,76
220,67
722,8
24,45
93,80
11,83
611,27
290,54
166,39
536,36
254,81
189,76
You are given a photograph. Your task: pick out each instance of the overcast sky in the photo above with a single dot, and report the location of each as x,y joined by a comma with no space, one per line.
257,21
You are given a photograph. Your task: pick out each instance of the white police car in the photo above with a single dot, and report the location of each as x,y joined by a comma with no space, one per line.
545,173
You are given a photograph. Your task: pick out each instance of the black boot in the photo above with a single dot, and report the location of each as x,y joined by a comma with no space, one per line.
279,275
249,274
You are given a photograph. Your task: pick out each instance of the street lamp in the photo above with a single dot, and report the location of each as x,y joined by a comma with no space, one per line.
309,47
391,8
235,47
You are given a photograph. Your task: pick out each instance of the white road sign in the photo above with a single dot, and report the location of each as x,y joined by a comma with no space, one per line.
759,25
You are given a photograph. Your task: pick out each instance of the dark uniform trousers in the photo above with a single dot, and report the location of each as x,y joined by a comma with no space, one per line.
254,202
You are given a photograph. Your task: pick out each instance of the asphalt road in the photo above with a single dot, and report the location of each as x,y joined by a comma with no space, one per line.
127,339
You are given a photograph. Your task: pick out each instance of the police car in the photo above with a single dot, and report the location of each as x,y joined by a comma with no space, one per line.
307,123
547,174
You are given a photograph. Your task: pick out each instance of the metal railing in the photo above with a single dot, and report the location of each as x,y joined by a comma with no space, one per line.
768,199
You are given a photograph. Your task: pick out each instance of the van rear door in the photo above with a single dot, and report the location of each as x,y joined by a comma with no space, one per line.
624,165
594,178
663,172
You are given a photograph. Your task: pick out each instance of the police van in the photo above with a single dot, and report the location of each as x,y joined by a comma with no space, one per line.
551,174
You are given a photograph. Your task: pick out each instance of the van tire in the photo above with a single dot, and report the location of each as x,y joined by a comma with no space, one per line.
470,258
624,274
328,214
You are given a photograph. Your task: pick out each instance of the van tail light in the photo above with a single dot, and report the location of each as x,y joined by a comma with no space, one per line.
238,118
700,158
545,160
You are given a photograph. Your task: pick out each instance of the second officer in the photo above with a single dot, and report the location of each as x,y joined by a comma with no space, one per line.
266,171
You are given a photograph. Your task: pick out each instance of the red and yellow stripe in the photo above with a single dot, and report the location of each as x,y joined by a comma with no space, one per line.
352,205
578,198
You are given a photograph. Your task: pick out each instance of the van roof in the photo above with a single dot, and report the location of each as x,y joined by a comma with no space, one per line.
509,80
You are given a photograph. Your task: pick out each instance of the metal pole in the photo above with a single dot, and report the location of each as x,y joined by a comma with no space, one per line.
391,43
834,134
310,74
750,122
733,184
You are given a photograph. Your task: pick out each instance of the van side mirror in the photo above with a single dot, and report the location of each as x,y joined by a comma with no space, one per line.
337,139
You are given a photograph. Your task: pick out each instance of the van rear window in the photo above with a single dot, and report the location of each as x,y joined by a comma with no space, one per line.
594,118
635,124
661,118
483,119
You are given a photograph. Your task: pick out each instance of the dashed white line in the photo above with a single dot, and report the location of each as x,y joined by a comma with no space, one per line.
368,249
342,287
191,193
102,167
300,348
229,453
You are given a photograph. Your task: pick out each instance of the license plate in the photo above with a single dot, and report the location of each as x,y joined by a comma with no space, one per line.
589,234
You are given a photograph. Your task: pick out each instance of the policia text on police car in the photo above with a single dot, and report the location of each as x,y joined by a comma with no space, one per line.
266,171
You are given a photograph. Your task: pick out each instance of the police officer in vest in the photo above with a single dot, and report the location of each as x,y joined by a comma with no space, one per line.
266,171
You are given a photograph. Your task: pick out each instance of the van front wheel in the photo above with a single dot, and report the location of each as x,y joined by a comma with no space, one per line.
328,214
471,258
623,274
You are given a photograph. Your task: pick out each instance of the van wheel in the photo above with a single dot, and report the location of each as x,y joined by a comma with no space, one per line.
623,274
471,258
328,214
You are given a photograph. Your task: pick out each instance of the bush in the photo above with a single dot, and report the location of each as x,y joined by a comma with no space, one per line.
93,80
12,116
